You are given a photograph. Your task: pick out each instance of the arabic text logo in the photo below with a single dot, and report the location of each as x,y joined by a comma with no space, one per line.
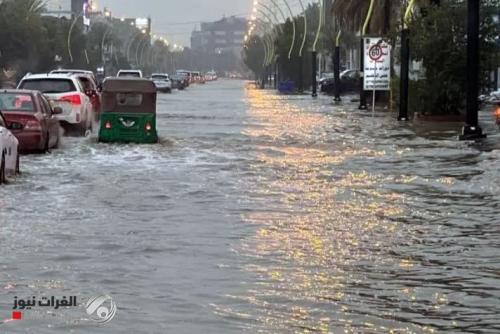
101,309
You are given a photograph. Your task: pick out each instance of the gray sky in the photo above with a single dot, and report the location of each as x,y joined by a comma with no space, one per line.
175,19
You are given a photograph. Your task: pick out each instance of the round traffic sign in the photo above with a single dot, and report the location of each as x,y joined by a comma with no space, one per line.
375,52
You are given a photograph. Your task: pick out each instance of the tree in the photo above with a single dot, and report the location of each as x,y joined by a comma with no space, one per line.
439,41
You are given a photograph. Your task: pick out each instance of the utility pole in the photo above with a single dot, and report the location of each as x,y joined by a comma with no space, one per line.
336,69
472,130
404,76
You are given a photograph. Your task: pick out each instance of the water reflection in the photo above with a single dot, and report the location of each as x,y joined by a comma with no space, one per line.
358,233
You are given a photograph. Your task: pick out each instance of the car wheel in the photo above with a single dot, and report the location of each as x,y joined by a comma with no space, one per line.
2,169
82,129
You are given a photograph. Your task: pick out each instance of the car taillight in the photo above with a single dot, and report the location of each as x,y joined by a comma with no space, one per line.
107,125
74,99
148,127
33,125
497,112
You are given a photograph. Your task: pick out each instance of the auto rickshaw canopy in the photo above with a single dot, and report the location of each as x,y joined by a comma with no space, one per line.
129,95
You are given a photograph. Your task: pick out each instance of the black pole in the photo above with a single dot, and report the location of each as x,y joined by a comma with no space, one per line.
278,73
336,74
301,74
495,79
404,77
362,96
275,75
314,69
472,130
263,78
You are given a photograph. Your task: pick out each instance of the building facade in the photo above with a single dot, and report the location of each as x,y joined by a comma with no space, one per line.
221,36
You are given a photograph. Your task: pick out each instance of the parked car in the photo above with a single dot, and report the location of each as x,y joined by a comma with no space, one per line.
9,155
72,71
349,82
130,73
31,119
178,82
162,82
66,92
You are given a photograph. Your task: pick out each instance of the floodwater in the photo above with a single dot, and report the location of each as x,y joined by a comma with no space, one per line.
259,213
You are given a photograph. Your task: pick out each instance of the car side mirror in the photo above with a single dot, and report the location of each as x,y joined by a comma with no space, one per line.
57,111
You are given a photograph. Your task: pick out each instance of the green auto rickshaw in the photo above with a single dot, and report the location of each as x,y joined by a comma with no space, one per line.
128,111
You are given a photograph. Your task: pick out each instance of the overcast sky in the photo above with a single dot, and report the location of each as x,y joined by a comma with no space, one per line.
175,19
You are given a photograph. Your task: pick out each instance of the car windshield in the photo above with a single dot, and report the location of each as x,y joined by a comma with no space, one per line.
15,101
49,85
159,77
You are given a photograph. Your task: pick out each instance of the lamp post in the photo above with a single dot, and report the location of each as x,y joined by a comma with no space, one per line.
336,68
106,33
129,47
278,25
362,95
271,38
314,53
472,130
301,50
70,32
405,65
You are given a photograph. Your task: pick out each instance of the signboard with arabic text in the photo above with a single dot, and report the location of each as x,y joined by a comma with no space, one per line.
377,59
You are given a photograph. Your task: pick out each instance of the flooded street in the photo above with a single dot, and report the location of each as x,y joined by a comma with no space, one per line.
260,213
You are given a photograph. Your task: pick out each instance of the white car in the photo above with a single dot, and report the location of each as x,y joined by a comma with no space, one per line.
130,73
162,82
9,156
67,92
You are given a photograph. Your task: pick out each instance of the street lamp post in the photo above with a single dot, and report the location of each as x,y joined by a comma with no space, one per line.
404,77
362,95
314,53
336,68
472,130
301,58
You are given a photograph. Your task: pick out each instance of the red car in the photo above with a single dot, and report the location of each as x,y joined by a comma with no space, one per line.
31,119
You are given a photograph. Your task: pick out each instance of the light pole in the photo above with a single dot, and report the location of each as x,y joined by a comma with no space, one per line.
314,53
336,68
301,58
129,47
405,65
271,40
472,130
362,95
70,53
106,33
294,29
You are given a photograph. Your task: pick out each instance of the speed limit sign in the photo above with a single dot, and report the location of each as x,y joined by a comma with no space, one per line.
377,64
